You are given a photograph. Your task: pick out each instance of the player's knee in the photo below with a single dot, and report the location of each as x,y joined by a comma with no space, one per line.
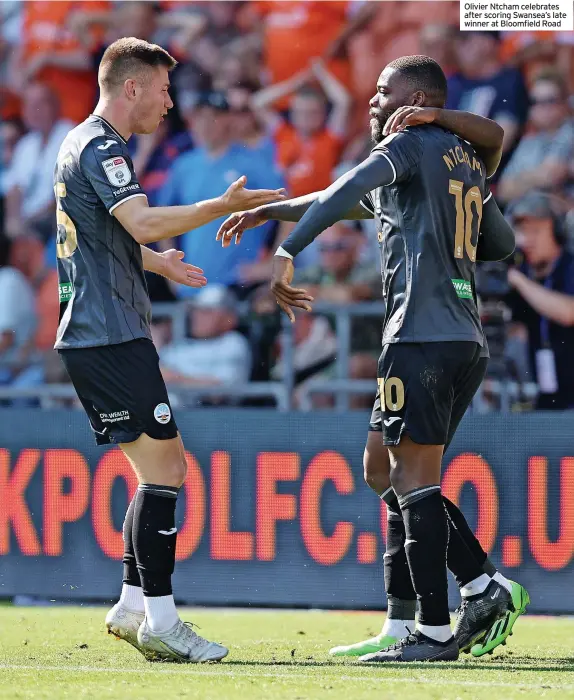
399,478
370,477
376,476
174,472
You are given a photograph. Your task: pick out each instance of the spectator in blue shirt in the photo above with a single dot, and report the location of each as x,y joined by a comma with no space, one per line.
251,128
205,173
484,86
154,154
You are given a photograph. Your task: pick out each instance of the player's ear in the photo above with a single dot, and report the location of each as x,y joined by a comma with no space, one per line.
418,98
130,89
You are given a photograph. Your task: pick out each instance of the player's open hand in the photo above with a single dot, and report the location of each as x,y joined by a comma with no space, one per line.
236,224
409,116
288,297
178,271
237,198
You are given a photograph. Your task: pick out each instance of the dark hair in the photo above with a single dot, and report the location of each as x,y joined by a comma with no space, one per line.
423,73
5,247
126,57
246,84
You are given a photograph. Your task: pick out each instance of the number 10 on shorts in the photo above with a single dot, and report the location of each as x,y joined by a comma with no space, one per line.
392,393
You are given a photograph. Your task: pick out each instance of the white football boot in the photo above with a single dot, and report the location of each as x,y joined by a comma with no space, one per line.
180,643
124,624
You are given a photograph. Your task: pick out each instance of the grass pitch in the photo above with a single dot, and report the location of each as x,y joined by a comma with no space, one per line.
64,653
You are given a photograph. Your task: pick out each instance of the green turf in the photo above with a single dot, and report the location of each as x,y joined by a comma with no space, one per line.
64,653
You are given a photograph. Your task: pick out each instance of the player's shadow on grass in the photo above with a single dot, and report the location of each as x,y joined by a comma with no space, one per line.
295,663
514,663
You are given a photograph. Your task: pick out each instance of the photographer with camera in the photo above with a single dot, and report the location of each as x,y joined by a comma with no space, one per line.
542,298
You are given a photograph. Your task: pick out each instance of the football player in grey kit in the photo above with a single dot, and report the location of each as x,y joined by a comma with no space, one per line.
425,185
104,339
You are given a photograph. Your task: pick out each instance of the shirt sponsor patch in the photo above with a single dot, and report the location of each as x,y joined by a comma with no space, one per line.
463,289
66,291
117,171
129,188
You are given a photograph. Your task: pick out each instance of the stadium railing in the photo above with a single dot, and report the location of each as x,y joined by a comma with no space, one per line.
497,395
188,396
342,387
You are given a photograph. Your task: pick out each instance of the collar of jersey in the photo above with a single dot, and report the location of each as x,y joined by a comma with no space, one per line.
97,116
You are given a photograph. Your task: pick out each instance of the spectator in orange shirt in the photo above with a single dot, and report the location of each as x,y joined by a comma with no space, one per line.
309,147
50,53
295,32
535,52
395,30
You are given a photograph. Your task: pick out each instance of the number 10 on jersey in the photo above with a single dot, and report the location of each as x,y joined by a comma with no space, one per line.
464,217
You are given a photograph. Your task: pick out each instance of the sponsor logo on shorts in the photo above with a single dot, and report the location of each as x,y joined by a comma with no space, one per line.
389,421
117,171
114,417
162,413
129,188
463,289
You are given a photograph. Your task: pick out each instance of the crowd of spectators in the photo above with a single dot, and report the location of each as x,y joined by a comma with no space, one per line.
279,91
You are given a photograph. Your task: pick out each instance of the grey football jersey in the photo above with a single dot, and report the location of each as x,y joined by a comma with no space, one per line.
103,292
428,221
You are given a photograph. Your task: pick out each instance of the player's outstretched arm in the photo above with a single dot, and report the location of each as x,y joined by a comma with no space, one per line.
485,135
149,224
289,210
344,194
339,198
496,240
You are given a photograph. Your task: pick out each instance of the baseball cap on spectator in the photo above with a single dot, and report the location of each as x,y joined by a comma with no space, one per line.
538,205
191,99
214,99
215,296
534,205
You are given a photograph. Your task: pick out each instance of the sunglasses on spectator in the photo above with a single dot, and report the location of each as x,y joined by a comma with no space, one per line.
335,247
548,101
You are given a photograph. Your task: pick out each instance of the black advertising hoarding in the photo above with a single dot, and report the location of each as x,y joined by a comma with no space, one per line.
274,509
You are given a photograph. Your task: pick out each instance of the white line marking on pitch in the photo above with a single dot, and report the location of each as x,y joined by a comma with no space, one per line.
296,675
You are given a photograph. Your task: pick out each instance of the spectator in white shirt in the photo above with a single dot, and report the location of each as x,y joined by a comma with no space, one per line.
30,204
216,353
543,157
17,315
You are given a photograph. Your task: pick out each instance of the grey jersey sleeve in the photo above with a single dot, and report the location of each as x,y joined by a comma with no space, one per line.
109,169
496,240
403,150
